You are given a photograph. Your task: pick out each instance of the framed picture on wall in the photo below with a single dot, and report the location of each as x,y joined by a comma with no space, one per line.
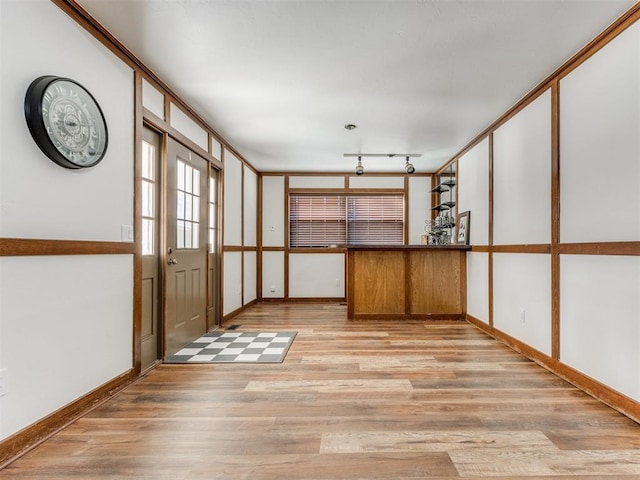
464,222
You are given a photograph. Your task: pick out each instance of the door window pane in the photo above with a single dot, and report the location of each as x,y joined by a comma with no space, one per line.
188,179
180,205
148,236
195,210
180,174
149,198
180,234
148,163
196,182
187,206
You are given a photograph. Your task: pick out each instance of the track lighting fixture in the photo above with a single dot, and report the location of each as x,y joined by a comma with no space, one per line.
409,167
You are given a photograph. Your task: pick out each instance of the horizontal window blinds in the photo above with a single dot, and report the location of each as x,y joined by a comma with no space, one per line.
317,220
331,220
375,220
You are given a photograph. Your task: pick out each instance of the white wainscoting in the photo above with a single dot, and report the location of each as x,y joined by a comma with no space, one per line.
599,319
316,275
522,297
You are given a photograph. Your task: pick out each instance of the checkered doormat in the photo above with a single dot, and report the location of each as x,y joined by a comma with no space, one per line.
236,347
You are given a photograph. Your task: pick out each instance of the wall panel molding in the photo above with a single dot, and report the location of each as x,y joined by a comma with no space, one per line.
17,247
85,20
599,391
582,243
615,29
157,122
20,443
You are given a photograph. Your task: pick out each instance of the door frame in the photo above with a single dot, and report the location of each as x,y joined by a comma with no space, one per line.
185,308
214,293
214,262
160,205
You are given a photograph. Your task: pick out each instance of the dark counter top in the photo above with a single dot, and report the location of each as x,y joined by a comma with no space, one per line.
409,247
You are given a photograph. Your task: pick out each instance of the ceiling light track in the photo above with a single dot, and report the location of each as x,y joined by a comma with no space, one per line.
391,155
408,166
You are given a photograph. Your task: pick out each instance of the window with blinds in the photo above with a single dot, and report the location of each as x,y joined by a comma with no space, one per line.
317,220
330,220
375,220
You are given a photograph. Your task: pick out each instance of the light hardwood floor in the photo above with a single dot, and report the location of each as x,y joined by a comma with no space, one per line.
352,400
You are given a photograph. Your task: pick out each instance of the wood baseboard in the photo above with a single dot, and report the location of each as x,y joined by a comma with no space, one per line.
408,316
236,312
28,438
303,300
616,400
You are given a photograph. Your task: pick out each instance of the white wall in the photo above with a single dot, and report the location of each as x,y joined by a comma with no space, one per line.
190,129
522,172
473,191
87,298
522,286
600,202
216,148
239,230
273,213
273,274
152,99
600,146
599,313
376,182
231,282
67,329
250,278
419,207
250,207
232,229
316,275
250,215
316,182
478,285
86,204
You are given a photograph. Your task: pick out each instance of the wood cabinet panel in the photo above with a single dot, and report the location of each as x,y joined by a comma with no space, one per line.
434,282
379,279
406,282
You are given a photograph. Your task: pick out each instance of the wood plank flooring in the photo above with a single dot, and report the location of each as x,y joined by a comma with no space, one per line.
352,400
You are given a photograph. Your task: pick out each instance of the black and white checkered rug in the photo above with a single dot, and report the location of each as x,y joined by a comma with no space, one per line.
236,347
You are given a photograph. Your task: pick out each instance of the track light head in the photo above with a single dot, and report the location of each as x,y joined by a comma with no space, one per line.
409,167
359,167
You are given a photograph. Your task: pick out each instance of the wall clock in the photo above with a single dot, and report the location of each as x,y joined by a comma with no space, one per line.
66,122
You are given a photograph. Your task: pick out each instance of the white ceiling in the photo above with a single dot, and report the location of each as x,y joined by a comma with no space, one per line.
279,79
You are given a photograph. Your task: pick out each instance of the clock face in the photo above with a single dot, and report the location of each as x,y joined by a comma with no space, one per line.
66,122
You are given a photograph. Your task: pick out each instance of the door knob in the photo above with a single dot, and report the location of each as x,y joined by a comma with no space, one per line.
172,261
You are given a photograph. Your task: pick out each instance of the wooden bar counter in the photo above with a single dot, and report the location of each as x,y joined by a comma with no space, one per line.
406,281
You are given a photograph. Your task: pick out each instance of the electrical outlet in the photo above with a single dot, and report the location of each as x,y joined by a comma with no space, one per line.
272,288
522,315
338,282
